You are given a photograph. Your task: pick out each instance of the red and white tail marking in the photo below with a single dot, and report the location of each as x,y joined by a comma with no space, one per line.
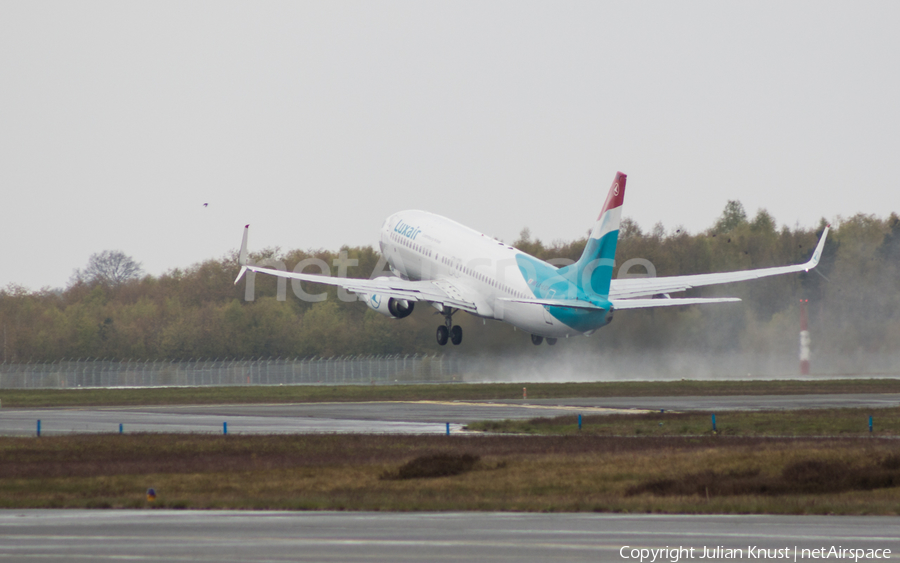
611,215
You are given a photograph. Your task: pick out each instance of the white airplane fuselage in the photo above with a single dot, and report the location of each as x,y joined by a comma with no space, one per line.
419,245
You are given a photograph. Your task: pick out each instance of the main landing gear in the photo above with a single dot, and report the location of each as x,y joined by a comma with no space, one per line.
537,340
448,330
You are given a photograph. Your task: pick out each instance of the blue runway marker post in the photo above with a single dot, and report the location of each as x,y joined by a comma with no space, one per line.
225,428
870,424
714,423
120,428
579,422
448,429
39,428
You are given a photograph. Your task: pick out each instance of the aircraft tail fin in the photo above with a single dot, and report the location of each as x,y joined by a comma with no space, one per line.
593,271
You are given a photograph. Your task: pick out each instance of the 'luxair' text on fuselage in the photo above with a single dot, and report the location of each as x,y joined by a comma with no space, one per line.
407,231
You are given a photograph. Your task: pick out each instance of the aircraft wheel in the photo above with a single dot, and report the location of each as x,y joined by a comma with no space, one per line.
456,335
551,341
442,335
536,340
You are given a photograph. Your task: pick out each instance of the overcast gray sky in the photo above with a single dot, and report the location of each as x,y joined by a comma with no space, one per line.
313,121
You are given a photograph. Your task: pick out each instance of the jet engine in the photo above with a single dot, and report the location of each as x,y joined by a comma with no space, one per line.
389,306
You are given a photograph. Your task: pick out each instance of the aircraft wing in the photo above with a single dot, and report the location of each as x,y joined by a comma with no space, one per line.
623,290
438,291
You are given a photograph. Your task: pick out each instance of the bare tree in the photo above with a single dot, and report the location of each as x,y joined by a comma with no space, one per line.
110,267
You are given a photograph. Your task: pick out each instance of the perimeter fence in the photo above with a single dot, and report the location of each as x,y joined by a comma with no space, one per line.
540,366
348,370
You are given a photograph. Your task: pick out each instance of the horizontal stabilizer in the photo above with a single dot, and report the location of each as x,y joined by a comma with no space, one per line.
619,304
564,303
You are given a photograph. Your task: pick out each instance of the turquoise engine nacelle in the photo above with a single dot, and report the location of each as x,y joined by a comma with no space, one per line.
389,306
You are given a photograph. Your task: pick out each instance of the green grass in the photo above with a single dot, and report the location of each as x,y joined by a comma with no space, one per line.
812,422
443,392
569,473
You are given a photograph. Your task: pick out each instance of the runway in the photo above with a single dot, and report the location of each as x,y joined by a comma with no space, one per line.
162,535
196,419
736,402
397,417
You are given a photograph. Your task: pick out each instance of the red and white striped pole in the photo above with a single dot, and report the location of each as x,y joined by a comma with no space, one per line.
804,339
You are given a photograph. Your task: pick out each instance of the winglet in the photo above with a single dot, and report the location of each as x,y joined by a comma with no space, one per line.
814,261
242,257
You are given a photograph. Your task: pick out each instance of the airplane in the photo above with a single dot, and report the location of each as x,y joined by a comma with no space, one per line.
453,268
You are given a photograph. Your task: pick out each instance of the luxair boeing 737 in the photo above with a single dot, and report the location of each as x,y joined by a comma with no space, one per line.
454,268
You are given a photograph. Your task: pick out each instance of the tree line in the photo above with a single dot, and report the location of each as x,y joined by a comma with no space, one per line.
197,312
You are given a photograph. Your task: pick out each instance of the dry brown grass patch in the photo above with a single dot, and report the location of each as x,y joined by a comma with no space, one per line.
433,465
804,477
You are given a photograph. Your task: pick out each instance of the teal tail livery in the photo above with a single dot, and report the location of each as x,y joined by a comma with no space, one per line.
450,267
594,270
